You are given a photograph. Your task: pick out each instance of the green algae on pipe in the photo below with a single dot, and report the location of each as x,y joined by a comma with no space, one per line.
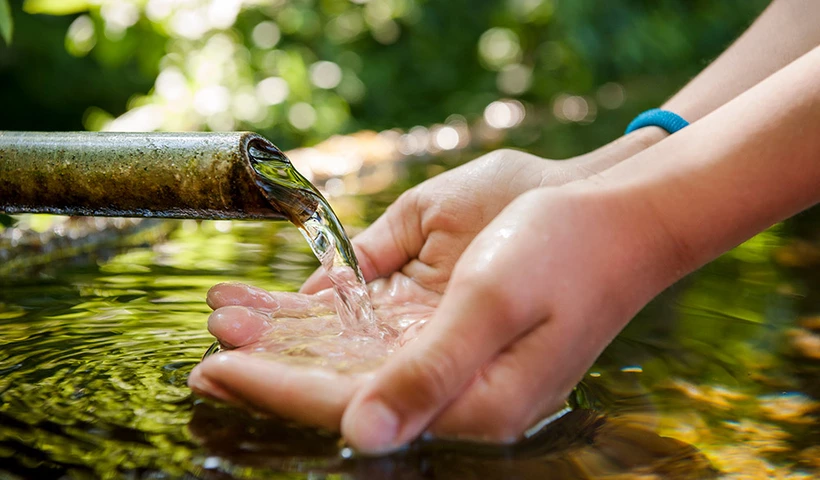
169,175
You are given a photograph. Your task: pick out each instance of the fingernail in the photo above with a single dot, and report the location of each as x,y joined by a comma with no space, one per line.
203,386
374,428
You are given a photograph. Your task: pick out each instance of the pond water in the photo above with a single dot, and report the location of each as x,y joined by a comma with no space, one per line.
716,378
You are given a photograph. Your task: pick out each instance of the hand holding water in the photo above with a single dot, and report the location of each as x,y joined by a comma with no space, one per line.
408,254
541,290
519,302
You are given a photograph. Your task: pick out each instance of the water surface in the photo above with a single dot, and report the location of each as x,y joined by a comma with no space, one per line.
717,377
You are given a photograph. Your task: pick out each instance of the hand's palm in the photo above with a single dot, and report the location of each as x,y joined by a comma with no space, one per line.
304,329
300,366
291,346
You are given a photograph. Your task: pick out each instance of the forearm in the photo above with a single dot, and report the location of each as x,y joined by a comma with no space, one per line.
747,165
786,30
783,32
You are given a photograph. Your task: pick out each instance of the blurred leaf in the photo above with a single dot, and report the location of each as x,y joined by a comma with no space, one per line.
56,7
416,80
6,25
6,220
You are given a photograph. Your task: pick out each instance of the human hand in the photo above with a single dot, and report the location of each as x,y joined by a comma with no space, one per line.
417,243
551,280
285,352
537,294
530,304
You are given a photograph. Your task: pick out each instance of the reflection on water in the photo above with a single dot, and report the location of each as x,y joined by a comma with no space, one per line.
581,444
717,378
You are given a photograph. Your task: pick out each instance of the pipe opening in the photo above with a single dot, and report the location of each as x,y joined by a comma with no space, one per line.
283,186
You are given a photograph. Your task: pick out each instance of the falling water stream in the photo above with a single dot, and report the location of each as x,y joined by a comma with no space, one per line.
312,214
304,206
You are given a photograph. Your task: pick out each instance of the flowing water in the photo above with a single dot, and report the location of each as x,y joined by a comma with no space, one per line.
715,378
320,226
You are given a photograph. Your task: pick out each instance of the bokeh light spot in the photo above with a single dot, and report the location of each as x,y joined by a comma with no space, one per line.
302,116
499,47
81,37
266,35
446,138
325,74
514,79
272,90
504,114
611,95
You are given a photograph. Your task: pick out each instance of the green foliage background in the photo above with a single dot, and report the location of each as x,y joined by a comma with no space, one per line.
403,62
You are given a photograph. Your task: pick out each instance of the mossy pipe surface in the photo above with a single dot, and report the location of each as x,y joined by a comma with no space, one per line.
169,175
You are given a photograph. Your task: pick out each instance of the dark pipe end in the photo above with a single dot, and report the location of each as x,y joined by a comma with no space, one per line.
288,192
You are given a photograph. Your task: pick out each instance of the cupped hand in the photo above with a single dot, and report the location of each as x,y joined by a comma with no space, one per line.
523,316
299,366
286,353
530,304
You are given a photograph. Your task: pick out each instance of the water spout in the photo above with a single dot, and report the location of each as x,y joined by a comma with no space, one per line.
168,175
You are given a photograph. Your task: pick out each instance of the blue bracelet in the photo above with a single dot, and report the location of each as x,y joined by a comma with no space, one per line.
671,122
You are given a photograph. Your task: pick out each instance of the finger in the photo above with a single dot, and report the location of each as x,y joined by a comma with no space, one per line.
524,384
384,247
234,293
489,302
236,326
281,303
311,396
475,320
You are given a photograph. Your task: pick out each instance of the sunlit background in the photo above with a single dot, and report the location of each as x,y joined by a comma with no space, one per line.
554,78
569,75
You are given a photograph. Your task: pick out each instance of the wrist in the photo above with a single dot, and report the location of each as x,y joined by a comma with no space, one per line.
640,250
749,164
618,150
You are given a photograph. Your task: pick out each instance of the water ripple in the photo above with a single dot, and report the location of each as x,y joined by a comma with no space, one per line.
95,358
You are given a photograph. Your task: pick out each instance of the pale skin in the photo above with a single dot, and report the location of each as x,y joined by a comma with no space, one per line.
518,264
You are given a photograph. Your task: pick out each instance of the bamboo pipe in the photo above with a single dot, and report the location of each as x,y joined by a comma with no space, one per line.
168,175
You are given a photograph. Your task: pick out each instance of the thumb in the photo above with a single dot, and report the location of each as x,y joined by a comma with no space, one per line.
478,317
387,245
